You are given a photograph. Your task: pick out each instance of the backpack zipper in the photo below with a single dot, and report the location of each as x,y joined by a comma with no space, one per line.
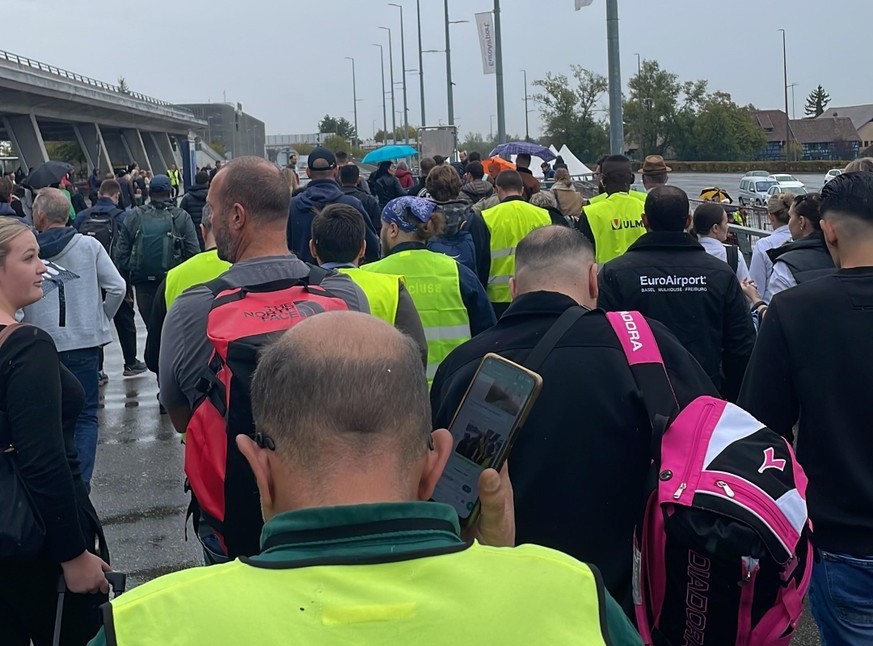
692,456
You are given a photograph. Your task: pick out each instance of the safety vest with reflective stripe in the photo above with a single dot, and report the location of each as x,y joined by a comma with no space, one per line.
478,595
602,196
616,223
195,271
509,222
382,290
433,282
175,177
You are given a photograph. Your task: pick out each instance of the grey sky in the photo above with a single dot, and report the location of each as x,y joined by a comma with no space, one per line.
284,59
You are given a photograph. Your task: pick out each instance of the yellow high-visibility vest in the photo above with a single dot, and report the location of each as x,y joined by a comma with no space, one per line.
381,290
616,223
196,270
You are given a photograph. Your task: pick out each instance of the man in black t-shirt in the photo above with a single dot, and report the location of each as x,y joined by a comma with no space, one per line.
815,354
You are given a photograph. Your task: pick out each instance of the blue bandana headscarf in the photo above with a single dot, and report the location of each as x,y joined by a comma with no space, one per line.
396,211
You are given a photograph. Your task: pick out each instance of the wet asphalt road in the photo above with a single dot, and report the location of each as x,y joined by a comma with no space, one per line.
137,483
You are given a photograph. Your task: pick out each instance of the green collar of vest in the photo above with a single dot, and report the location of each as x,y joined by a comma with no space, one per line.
358,534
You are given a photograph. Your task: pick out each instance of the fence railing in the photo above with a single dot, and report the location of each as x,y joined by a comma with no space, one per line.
23,61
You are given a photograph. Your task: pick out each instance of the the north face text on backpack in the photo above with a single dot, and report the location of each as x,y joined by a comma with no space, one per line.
285,311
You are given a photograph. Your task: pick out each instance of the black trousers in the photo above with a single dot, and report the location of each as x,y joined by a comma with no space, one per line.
145,297
126,328
28,601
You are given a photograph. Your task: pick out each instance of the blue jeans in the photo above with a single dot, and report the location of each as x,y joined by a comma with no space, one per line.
84,366
841,599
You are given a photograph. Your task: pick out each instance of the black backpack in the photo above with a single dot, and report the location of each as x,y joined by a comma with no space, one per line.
733,256
103,227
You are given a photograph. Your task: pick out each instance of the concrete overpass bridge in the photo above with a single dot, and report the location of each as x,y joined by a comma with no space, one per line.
113,127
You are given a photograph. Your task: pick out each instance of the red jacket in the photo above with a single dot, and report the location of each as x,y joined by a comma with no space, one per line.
405,177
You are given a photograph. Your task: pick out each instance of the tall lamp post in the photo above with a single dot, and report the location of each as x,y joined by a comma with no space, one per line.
785,86
354,95
420,60
616,125
384,109
403,67
526,112
498,63
391,65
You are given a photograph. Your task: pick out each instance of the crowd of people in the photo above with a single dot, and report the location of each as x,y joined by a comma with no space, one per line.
309,338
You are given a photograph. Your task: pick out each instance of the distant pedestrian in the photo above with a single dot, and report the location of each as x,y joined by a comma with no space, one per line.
384,184
404,176
342,159
568,199
154,239
425,165
547,171
6,197
350,183
476,188
175,176
778,208
654,172
194,201
531,183
86,294
710,225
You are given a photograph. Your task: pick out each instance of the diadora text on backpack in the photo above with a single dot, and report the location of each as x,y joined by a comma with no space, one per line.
242,322
722,554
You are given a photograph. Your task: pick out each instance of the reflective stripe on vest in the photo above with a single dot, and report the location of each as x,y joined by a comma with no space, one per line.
433,282
382,291
616,223
195,271
174,177
508,224
479,595
602,196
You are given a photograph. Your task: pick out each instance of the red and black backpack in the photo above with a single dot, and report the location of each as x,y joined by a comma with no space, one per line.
242,322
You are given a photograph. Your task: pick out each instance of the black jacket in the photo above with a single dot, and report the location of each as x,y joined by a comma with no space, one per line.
807,258
371,204
668,276
386,188
813,355
193,202
579,465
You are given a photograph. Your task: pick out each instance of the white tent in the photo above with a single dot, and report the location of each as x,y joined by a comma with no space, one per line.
576,167
535,165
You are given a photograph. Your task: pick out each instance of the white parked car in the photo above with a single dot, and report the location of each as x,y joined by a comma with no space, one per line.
758,173
777,189
789,183
753,190
833,172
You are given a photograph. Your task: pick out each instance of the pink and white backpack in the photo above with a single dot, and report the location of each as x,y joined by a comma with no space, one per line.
723,554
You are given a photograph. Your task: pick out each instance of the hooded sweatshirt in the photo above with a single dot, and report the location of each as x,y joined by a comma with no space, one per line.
404,177
476,190
318,194
193,203
72,310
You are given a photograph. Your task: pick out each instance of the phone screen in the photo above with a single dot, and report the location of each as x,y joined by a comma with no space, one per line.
483,430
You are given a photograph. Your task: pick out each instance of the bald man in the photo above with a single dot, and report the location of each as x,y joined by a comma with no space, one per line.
585,433
352,550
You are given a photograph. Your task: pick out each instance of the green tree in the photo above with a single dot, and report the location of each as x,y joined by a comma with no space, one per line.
335,143
67,151
659,109
476,142
122,86
569,113
725,131
817,102
340,127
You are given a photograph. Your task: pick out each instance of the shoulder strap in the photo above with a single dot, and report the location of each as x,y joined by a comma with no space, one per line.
317,274
8,330
733,256
648,369
550,339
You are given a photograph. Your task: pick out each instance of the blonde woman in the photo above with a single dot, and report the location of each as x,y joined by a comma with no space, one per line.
761,266
41,401
570,201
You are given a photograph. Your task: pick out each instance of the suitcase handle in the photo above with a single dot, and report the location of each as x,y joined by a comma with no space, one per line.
117,581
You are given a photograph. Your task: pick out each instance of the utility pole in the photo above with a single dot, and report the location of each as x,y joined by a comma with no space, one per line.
616,124
403,67
526,119
420,61
391,65
498,60
450,95
785,85
354,96
384,109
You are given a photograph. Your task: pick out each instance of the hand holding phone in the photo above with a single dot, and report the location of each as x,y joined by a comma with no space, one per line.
483,430
496,523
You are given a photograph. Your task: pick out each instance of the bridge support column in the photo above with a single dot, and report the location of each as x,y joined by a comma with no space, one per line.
154,153
133,139
162,141
91,141
26,139
117,148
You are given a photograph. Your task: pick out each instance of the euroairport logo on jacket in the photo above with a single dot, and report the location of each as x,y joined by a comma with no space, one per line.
674,283
618,224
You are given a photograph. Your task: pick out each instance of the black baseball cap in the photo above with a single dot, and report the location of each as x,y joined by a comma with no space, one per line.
321,159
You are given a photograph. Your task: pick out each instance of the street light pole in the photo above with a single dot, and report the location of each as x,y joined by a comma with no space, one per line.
449,91
420,61
498,61
403,67
616,125
391,65
785,78
384,109
354,95
526,119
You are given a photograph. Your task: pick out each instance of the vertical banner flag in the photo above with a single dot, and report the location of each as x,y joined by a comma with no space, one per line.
485,27
583,3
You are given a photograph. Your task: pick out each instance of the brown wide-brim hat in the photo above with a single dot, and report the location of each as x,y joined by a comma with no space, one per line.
654,165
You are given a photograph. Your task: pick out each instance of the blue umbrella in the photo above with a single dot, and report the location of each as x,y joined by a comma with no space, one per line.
387,153
520,147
